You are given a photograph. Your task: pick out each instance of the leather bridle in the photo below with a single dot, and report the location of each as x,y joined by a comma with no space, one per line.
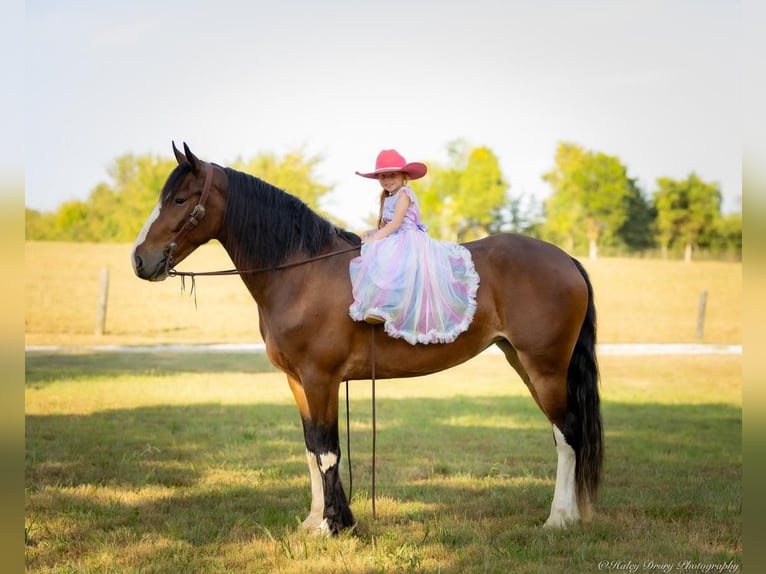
197,214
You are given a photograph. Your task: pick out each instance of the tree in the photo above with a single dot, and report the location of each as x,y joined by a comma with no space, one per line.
563,209
116,211
466,198
71,221
591,191
123,206
38,225
727,234
637,231
686,209
293,172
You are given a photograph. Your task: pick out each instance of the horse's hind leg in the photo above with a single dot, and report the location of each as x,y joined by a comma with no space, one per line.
547,383
564,508
550,392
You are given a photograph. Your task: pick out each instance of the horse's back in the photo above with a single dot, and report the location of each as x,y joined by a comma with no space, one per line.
530,288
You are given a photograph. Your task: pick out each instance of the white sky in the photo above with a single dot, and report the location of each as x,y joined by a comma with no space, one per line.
655,82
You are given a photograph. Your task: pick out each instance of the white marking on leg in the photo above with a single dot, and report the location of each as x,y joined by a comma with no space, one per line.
327,460
145,231
315,520
564,508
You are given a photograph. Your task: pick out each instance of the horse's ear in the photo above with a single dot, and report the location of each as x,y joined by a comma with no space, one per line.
194,162
180,158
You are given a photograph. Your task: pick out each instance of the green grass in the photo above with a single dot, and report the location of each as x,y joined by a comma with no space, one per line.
196,463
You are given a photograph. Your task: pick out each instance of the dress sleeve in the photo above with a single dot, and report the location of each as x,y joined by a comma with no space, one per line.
409,193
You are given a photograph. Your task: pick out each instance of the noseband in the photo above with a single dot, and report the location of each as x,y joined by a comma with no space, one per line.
197,214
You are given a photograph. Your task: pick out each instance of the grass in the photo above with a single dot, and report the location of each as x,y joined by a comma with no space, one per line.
638,300
175,466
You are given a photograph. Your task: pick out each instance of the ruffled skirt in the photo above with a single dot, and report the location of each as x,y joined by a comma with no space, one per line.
423,289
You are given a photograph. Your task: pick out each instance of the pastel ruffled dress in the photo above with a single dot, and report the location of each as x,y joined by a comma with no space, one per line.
423,288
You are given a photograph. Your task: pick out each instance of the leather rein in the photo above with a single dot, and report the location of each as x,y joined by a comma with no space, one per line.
198,214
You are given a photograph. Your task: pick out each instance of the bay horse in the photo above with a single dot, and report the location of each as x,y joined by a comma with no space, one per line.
534,302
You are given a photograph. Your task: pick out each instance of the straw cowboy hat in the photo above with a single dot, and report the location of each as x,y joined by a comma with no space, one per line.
390,160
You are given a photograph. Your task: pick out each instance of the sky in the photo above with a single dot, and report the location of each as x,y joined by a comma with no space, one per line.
656,83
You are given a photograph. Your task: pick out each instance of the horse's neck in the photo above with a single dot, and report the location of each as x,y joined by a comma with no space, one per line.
259,280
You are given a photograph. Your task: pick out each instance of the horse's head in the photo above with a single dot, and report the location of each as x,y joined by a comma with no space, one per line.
189,213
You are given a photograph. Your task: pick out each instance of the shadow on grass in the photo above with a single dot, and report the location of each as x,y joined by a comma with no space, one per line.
232,473
45,368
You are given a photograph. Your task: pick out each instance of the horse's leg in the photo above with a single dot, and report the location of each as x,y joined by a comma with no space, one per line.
564,508
548,386
314,519
318,406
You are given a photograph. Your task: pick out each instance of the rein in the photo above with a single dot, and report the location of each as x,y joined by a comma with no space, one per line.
173,273
374,426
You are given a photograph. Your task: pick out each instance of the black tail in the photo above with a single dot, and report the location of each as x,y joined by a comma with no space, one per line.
583,430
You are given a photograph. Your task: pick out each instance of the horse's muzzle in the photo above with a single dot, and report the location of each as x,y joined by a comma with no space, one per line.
150,269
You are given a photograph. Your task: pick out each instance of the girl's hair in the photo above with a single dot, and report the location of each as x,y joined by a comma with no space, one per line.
383,195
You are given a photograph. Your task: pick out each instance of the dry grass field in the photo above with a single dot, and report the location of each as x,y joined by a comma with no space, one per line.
638,300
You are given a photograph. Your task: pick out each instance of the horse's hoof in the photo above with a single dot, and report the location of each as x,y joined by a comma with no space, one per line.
560,521
321,529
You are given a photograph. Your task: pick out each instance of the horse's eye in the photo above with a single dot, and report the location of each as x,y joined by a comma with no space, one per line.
180,200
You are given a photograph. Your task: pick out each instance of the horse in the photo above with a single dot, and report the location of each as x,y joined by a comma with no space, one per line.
534,302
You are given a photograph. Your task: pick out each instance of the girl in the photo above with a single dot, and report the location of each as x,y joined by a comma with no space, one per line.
424,290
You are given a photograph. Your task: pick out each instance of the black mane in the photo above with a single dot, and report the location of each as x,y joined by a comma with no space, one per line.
264,225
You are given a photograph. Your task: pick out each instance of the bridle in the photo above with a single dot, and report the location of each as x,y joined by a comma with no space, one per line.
197,214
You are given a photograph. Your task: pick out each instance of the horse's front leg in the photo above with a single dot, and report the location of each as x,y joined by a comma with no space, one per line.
318,406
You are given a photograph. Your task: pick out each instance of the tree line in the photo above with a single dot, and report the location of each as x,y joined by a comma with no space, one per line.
594,205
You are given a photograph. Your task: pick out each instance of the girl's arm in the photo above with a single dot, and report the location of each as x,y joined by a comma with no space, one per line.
402,204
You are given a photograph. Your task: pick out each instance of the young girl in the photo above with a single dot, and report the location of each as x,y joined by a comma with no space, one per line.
424,290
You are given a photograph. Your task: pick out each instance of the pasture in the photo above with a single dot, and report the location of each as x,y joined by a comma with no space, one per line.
638,300
179,462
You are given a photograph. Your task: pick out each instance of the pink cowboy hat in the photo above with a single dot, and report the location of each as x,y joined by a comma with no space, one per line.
390,160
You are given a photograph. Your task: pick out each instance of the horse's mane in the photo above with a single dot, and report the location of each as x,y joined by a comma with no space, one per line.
265,225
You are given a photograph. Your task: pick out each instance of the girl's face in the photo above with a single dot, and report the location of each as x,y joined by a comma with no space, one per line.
391,181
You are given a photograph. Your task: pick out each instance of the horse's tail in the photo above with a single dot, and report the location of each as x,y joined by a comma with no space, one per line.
583,430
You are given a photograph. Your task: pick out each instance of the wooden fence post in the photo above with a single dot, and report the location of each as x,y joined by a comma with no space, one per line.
701,314
102,298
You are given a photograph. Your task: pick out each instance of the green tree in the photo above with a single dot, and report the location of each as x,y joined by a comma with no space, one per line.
519,214
728,232
71,222
39,226
466,198
116,210
686,210
637,231
591,192
123,206
563,209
